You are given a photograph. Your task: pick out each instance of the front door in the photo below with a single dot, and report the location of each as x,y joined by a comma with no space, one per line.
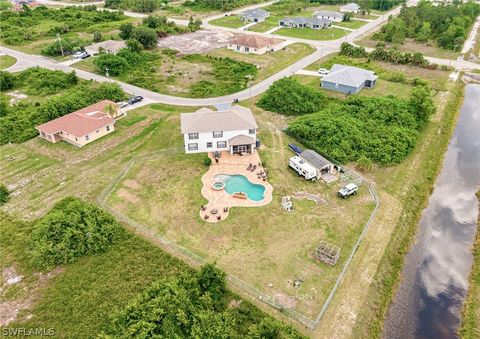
242,149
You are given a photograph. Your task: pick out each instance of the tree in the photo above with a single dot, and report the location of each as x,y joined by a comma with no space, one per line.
213,281
347,16
134,45
144,6
194,25
115,64
289,97
97,36
111,110
7,81
421,103
126,31
146,36
425,33
4,194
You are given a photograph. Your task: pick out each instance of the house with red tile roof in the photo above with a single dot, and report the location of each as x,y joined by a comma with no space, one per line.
83,126
256,44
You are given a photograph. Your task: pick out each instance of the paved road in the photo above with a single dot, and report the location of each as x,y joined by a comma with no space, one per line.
473,35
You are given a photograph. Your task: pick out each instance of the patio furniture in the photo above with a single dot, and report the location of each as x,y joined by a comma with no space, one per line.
253,168
240,195
249,167
214,211
204,207
206,217
225,209
219,217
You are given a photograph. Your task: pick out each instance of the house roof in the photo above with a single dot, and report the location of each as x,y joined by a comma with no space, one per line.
255,13
81,122
303,20
349,75
254,41
241,140
328,13
205,120
110,45
351,6
314,159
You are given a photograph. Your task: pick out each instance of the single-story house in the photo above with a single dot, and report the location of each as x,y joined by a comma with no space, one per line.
107,46
330,15
348,79
350,8
256,44
302,22
311,165
254,15
83,126
233,130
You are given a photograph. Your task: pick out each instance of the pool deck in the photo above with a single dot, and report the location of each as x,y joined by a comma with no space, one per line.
231,164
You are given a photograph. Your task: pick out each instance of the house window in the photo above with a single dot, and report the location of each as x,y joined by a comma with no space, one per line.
192,136
76,139
97,131
247,49
221,144
209,145
61,132
193,147
43,134
238,47
108,128
87,137
251,131
217,134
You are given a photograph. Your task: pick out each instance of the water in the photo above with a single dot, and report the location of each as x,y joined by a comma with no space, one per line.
434,280
240,183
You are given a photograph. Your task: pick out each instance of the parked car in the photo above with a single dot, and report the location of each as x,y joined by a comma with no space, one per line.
122,104
81,55
297,150
350,189
135,99
323,71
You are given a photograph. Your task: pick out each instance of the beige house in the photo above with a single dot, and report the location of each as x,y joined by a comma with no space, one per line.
107,46
83,126
255,44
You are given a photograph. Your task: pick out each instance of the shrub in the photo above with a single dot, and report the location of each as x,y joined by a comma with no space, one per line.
134,45
97,36
66,45
146,36
364,163
6,80
289,97
115,64
126,31
72,229
207,161
4,194
40,81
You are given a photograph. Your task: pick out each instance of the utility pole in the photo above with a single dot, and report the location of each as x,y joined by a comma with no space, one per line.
249,79
60,41
106,73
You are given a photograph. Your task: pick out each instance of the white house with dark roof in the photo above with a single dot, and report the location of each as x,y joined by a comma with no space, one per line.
302,22
233,130
350,8
254,15
348,79
330,15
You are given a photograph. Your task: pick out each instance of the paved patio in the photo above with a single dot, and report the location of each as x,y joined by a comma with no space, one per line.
219,200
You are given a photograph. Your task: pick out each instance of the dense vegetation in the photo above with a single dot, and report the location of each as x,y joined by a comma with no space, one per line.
17,122
136,67
381,5
144,6
70,230
289,97
223,5
447,24
191,306
23,27
4,194
374,129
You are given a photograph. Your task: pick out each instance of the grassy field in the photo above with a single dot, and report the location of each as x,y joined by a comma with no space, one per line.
352,24
470,326
312,34
268,24
254,244
6,61
231,21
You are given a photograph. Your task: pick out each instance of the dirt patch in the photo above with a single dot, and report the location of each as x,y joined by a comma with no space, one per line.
133,184
129,196
309,196
197,42
286,301
16,96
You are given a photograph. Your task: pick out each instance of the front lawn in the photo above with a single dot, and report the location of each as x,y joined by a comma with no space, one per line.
6,61
312,34
352,24
231,21
268,24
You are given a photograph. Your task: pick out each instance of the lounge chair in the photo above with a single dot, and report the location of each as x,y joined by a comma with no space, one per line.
253,168
249,167
225,209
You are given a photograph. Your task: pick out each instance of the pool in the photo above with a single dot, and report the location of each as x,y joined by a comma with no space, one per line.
239,183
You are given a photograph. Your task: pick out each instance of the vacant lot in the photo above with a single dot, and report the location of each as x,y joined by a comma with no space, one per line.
352,24
231,21
313,34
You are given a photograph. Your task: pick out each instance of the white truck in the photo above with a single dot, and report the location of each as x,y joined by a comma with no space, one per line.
349,189
303,168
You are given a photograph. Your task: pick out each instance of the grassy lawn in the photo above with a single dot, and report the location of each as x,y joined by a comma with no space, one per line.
268,24
231,21
312,34
254,244
6,61
352,24
269,63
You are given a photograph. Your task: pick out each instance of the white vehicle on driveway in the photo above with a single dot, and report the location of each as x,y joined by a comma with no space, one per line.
323,71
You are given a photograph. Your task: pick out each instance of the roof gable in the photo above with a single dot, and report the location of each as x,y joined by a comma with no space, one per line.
349,75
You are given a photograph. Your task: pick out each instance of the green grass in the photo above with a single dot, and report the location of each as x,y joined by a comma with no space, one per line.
352,24
231,21
312,34
6,61
268,24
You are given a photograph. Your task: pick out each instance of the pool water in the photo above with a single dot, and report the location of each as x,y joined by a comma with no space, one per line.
240,183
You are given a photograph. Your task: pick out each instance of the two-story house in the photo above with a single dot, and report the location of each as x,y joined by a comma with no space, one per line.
233,130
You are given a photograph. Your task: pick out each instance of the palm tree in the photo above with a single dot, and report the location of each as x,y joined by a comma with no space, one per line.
112,110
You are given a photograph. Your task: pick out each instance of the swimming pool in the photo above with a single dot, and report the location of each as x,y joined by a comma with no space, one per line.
239,183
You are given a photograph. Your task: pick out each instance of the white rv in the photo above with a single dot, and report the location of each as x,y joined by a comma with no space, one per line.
303,168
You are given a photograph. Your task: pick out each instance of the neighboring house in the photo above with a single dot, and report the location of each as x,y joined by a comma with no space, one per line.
233,130
302,22
83,126
254,15
350,8
348,79
255,44
330,15
107,46
18,4
311,165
